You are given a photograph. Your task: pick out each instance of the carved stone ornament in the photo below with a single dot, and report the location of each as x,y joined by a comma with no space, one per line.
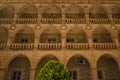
12,27
88,26
113,27
38,26
63,26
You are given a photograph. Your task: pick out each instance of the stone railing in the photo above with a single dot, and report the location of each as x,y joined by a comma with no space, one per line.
2,46
56,21
26,20
61,1
6,21
49,46
117,21
95,21
70,20
58,46
50,21
77,46
104,46
21,46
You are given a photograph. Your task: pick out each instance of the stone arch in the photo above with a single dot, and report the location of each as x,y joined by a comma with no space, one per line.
28,11
24,35
102,35
108,68
50,35
74,11
79,67
76,35
3,35
98,12
18,67
44,60
7,12
116,12
51,11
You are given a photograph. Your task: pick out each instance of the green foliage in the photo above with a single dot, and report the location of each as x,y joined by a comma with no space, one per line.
53,70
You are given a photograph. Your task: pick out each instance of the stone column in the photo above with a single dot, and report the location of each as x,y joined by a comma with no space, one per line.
39,17
36,40
116,38
90,39
16,15
32,74
63,39
94,73
110,15
87,15
63,18
2,74
10,39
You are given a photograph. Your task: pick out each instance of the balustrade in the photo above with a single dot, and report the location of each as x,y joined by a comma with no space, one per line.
58,46
6,21
67,20
56,21
21,46
50,21
104,46
26,20
95,21
2,46
49,46
117,21
77,46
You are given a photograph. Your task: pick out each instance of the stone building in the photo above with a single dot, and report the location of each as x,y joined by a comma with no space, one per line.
82,34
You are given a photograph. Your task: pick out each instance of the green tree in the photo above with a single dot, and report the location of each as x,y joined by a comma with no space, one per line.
53,70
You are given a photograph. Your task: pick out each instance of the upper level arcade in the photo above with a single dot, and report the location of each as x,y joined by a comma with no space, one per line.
58,14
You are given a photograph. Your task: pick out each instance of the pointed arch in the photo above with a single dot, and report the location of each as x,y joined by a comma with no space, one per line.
74,11
7,12
76,35
28,11
108,68
102,35
98,12
79,65
44,60
25,35
51,11
50,35
116,12
19,67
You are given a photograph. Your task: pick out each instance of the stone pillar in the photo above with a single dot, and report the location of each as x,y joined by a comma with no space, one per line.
36,40
110,18
116,38
10,39
32,74
63,18
90,39
94,73
87,15
39,17
15,16
2,74
63,38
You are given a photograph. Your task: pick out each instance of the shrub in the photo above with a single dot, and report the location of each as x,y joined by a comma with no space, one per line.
53,70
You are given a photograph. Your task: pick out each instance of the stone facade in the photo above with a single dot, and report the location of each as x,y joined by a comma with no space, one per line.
82,34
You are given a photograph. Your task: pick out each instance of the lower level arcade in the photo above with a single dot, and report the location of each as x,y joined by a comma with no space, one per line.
107,68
